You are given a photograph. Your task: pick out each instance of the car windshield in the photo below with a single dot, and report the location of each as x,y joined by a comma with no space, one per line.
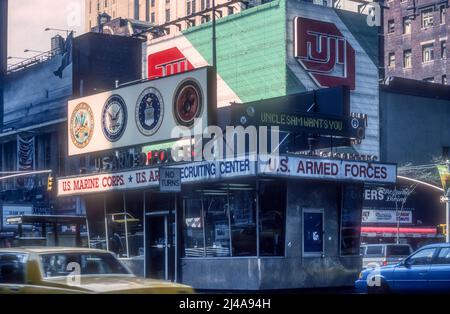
398,250
63,264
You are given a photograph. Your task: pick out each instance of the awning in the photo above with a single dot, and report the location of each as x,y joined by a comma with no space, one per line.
58,219
404,232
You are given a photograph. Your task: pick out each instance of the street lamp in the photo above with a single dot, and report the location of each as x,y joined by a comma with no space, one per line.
31,50
20,58
447,215
59,30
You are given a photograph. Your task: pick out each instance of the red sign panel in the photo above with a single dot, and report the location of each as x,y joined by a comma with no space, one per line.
324,53
167,62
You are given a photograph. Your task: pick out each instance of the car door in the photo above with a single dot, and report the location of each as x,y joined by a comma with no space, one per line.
12,272
413,274
439,278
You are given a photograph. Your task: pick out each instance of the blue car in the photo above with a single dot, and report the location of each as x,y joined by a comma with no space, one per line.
426,270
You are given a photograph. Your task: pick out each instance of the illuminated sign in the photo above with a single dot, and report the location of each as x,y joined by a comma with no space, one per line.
204,171
149,178
329,169
167,62
137,114
302,122
324,53
386,216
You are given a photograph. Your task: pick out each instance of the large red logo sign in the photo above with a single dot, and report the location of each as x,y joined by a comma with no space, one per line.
324,52
167,62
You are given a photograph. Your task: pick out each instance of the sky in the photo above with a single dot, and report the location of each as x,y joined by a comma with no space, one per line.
27,20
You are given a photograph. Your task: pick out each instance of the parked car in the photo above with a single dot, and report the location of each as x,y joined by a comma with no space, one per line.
426,270
384,254
73,270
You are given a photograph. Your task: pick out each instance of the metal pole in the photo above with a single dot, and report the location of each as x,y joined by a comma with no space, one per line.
106,223
144,221
214,50
126,225
447,217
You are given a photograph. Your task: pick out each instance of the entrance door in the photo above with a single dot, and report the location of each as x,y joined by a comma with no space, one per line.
160,260
312,232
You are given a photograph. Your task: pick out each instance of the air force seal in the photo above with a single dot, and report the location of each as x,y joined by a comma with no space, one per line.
81,125
188,103
149,111
114,118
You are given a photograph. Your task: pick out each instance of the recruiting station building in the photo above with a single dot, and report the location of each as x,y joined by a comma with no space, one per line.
250,222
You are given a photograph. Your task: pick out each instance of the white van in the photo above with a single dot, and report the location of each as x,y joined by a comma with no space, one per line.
384,254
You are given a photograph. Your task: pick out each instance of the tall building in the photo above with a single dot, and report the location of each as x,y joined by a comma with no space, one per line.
159,12
415,37
416,40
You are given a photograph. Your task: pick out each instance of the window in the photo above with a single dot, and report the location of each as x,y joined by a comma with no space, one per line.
152,3
312,231
12,268
406,25
194,6
407,55
57,265
152,17
167,15
208,4
427,18
90,7
271,218
217,227
422,257
205,19
391,59
443,49
230,10
444,79
106,3
429,79
427,52
391,27
220,221
188,8
374,251
398,250
442,12
194,243
443,256
351,217
242,208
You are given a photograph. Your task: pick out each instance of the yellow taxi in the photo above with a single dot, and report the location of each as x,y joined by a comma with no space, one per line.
46,270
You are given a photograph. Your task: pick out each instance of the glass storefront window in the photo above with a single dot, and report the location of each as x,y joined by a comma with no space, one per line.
271,218
220,221
135,224
243,221
224,218
217,228
194,242
351,219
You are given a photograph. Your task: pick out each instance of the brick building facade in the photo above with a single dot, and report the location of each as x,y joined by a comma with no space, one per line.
416,39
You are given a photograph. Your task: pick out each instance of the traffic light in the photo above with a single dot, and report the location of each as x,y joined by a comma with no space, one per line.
442,229
49,183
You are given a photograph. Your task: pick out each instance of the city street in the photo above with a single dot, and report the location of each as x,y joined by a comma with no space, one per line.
225,149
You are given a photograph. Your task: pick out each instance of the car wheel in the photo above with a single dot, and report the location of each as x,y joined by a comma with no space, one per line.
381,289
